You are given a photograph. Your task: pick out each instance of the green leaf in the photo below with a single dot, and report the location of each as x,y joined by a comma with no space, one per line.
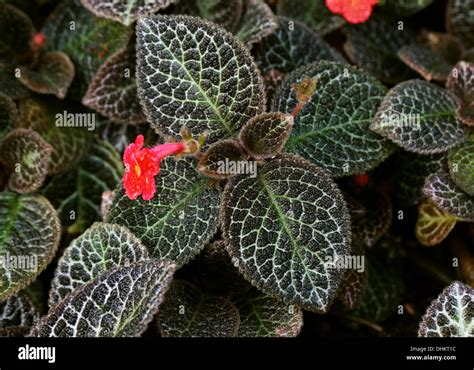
26,155
332,128
383,290
373,46
102,248
192,72
413,171
461,83
370,227
119,303
17,31
431,62
433,224
181,218
459,20
461,165
217,273
69,144
282,226
420,117
256,23
442,190
76,194
265,135
125,11
187,312
17,310
11,86
451,314
8,115
52,74
226,13
405,7
313,13
29,236
264,316
291,46
222,159
89,41
113,91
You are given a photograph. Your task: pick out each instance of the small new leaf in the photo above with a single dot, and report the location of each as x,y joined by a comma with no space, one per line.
265,135
222,159
433,224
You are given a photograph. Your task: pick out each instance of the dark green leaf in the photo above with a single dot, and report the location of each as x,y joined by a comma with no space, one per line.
332,128
192,72
187,312
420,117
26,155
119,303
442,190
461,165
52,74
451,314
181,218
29,236
256,23
283,226
102,248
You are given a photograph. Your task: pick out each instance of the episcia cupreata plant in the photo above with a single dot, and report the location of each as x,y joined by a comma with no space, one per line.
258,168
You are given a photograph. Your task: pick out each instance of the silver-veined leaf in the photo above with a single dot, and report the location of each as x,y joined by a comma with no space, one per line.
193,73
29,236
17,310
256,23
102,248
283,226
113,91
181,218
442,190
125,11
420,117
459,20
461,83
187,312
451,314
265,316
119,303
332,128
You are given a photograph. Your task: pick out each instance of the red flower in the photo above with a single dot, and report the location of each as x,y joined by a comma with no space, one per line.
143,164
361,180
353,11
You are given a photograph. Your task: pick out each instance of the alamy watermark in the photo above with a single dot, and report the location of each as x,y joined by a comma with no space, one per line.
346,262
228,167
400,120
66,119
19,262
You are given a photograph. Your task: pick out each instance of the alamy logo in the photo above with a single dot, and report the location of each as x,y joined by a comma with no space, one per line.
66,119
19,262
37,353
346,262
400,120
229,167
